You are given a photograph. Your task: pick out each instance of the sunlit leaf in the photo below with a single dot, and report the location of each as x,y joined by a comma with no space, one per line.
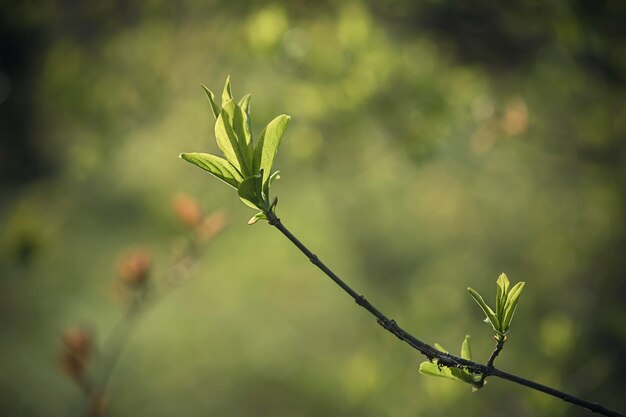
239,121
259,216
268,143
214,107
503,289
440,348
466,350
215,165
511,304
227,94
486,309
234,151
432,369
244,103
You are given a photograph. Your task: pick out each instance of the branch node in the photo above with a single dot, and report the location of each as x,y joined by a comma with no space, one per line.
273,220
360,300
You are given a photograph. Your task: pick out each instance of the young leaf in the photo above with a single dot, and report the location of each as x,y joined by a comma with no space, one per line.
214,107
234,151
486,309
275,176
268,143
503,290
466,350
440,348
240,122
244,103
511,304
431,369
462,375
215,165
260,215
250,192
227,94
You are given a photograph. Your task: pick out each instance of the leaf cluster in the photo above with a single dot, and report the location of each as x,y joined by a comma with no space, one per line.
458,374
246,166
507,298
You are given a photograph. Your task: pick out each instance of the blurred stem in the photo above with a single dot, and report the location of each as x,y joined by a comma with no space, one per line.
496,351
143,299
443,359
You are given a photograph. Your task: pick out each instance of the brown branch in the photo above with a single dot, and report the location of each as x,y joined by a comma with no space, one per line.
443,359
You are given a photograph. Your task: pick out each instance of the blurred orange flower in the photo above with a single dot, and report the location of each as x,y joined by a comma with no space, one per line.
76,351
187,210
134,268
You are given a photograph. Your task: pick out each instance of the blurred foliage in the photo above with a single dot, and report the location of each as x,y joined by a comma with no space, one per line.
433,145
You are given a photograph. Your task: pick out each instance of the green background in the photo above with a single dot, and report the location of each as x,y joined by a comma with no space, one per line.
433,145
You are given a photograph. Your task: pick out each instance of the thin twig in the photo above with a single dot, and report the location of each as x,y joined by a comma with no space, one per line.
443,359
492,358
175,275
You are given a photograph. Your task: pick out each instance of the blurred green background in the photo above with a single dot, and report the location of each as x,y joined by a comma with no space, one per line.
433,146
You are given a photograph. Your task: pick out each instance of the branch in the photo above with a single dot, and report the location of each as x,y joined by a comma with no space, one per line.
492,358
443,359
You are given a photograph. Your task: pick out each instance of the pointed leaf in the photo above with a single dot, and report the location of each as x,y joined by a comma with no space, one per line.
268,143
440,348
215,165
227,94
275,176
466,350
260,215
227,139
486,309
511,304
503,290
240,123
250,192
214,107
244,103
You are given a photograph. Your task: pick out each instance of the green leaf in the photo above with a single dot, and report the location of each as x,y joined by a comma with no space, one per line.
267,146
275,176
215,165
466,350
431,369
462,375
457,374
440,348
250,192
240,122
486,309
259,216
503,290
214,107
227,94
236,152
244,103
511,304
